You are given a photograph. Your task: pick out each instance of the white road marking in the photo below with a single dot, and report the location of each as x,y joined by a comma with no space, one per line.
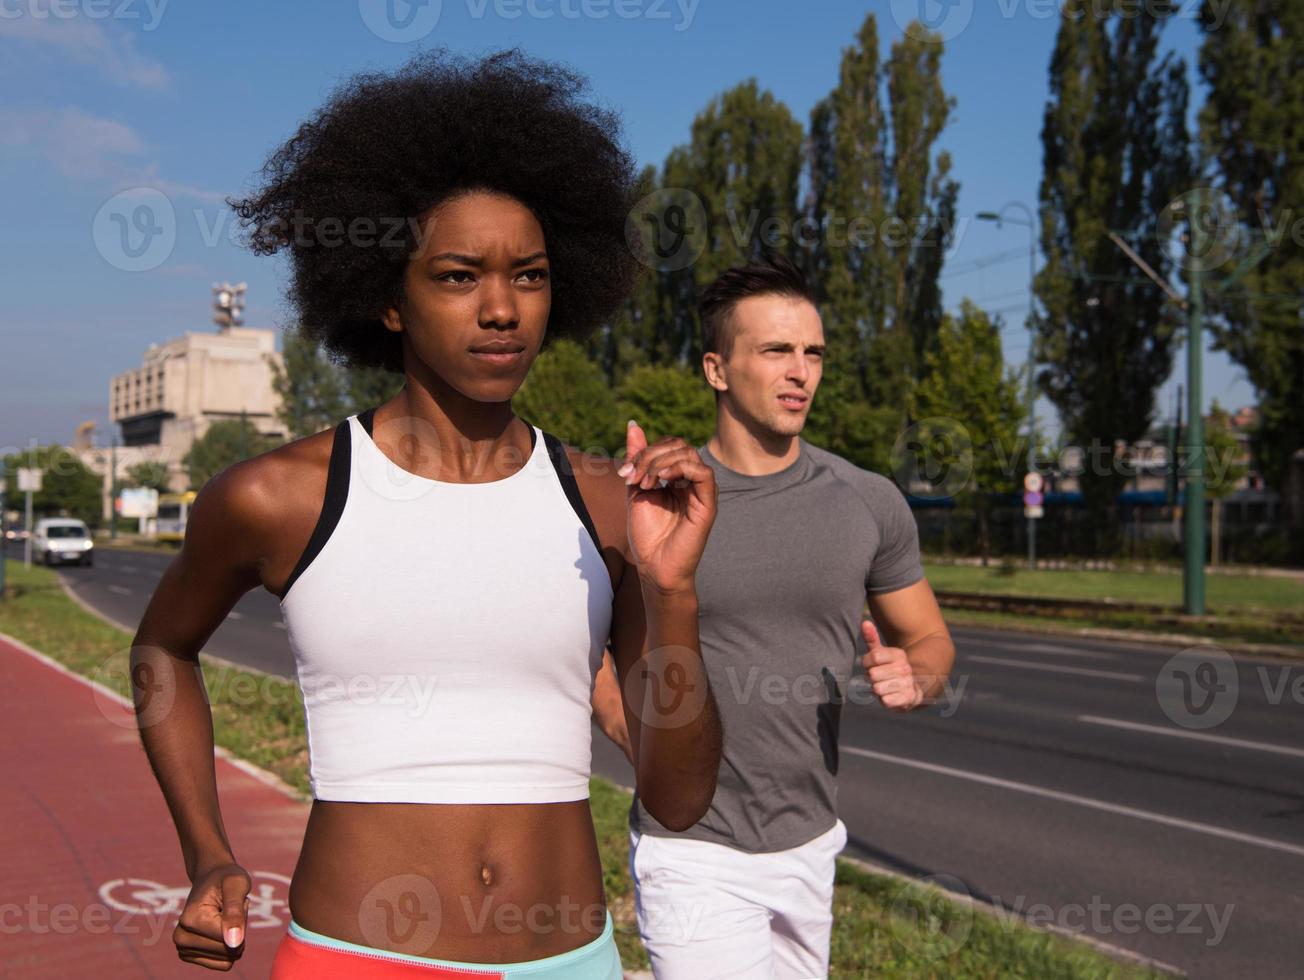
119,590
234,615
1055,668
1085,801
1243,743
1062,651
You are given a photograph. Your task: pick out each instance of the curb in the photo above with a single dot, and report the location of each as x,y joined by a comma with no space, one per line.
131,631
1140,636
262,775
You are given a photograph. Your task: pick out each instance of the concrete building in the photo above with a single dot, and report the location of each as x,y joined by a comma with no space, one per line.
183,386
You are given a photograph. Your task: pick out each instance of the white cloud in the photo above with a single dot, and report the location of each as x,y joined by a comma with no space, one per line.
85,147
106,48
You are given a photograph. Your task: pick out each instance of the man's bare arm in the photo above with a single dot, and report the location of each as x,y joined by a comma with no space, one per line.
914,653
609,706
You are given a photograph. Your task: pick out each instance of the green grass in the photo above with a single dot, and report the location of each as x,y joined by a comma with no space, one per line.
885,927
882,926
1225,593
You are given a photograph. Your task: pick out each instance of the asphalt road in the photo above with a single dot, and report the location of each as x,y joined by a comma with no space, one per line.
1078,782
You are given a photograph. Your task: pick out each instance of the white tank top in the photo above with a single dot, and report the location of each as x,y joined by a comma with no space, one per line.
446,635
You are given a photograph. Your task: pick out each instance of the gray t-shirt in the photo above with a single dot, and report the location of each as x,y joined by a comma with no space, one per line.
781,594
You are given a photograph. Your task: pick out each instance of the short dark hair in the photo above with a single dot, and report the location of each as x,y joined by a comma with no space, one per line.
769,275
388,147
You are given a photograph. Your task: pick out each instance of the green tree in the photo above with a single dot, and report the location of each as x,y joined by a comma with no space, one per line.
315,393
568,395
366,388
645,330
226,442
742,162
968,383
883,204
150,473
1252,127
668,400
1224,469
68,487
1115,154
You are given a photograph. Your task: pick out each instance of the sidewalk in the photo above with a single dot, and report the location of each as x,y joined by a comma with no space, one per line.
91,878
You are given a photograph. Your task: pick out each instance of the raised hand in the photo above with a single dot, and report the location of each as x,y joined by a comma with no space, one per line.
670,505
889,672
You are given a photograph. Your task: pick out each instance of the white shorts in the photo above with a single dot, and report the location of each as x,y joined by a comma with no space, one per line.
709,911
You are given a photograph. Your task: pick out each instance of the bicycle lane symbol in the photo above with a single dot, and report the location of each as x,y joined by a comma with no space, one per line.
269,906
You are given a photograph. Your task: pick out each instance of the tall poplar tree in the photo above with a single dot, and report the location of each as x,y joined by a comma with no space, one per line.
1115,154
884,204
1252,127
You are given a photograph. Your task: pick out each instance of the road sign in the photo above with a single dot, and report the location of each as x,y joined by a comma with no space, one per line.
1032,513
29,479
138,502
1033,482
1032,499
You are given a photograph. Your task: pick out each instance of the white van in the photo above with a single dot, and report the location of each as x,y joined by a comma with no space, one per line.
62,539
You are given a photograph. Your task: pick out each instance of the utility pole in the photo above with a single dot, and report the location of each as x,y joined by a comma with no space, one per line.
1195,210
113,486
1193,568
1031,223
4,545
27,543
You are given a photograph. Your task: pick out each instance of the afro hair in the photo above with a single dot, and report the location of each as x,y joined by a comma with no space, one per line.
346,193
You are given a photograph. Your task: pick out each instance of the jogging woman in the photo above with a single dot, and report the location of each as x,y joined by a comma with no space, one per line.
448,573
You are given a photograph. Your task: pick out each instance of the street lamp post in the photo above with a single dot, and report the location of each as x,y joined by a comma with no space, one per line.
1030,221
4,545
113,487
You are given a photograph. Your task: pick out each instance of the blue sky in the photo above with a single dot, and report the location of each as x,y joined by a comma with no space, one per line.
188,98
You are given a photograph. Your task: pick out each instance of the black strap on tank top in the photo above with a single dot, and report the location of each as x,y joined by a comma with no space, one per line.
337,492
561,463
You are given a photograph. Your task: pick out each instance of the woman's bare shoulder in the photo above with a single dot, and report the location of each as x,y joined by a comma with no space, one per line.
266,506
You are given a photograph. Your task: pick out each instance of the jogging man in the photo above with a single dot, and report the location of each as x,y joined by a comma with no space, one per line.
801,540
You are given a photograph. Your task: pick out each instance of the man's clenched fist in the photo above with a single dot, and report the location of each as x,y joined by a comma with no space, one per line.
889,672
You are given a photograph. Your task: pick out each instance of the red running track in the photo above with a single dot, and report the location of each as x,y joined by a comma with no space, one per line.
91,877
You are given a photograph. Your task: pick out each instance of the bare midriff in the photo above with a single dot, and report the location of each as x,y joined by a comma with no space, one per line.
478,883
